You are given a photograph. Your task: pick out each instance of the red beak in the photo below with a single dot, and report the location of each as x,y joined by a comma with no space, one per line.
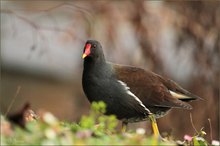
87,51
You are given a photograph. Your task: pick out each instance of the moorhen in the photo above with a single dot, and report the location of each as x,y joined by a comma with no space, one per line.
132,94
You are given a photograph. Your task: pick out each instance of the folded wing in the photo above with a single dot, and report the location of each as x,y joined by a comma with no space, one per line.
152,89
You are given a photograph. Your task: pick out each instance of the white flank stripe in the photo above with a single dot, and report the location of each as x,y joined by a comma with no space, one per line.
135,97
177,95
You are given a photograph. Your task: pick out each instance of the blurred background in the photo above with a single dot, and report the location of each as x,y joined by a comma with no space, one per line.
42,44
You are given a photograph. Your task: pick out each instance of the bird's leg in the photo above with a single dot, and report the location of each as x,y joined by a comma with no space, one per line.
124,126
154,125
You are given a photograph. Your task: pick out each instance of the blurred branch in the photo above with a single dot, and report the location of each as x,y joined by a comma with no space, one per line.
210,128
191,120
13,100
36,26
87,16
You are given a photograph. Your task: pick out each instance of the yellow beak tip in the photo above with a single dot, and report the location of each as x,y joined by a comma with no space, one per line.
84,55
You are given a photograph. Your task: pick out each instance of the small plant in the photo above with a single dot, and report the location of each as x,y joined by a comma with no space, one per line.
197,139
97,122
93,129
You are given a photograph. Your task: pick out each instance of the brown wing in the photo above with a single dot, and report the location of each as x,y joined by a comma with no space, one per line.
148,87
177,90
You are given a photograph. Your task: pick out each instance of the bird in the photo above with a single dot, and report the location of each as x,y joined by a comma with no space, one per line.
130,93
23,116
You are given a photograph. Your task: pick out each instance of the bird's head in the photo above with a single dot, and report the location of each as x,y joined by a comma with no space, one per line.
92,49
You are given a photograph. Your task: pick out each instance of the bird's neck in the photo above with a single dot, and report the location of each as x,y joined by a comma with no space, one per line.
96,67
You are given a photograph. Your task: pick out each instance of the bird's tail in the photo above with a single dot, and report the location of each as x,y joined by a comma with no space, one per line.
177,91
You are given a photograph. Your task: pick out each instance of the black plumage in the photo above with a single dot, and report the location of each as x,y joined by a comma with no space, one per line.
129,92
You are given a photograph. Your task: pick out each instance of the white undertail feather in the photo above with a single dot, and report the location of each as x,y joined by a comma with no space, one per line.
132,94
178,95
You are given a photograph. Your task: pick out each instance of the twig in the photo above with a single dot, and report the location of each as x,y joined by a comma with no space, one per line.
191,120
36,26
13,100
210,126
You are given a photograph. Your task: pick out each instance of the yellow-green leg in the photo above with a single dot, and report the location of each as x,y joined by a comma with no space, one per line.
124,126
154,126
